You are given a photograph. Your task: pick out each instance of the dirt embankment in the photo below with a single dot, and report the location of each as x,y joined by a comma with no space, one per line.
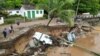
9,46
23,41
18,45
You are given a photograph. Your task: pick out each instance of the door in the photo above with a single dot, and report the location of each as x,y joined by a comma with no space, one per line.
29,14
33,14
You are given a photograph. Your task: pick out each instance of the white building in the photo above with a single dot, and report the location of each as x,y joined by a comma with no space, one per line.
27,11
1,20
14,12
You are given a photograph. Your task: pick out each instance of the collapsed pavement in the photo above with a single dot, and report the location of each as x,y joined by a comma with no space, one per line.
52,32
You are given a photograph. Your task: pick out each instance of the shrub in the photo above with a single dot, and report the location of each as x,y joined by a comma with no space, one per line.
11,16
3,13
9,21
45,16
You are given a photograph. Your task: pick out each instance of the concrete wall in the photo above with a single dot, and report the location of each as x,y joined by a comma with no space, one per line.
36,15
22,10
13,12
39,14
1,20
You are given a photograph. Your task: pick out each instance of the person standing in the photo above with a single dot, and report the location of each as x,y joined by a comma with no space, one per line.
11,29
18,23
5,32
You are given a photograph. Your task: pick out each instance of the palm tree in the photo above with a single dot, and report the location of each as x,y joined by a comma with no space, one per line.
58,8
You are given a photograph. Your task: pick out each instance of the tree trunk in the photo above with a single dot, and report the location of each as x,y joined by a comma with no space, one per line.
49,20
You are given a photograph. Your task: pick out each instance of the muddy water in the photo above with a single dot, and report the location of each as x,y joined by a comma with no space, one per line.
90,41
69,51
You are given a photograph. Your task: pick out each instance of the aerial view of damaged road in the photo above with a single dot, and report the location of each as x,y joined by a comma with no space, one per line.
49,28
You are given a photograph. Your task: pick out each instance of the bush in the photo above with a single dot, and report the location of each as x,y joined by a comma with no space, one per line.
9,21
3,13
11,16
45,16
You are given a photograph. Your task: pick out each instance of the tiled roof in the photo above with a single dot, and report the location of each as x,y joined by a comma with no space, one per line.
28,7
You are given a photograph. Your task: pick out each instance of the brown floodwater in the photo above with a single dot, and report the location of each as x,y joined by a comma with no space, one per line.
89,41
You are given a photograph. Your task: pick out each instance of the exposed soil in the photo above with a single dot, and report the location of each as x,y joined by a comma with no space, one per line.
23,41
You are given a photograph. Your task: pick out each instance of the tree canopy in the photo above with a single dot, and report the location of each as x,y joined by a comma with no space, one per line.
60,9
63,9
92,6
10,4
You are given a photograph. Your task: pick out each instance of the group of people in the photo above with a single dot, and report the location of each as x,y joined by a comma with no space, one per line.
9,30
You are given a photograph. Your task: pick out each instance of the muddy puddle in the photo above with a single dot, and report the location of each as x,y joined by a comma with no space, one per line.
90,41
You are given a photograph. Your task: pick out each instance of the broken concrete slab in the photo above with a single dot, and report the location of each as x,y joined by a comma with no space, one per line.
2,51
43,37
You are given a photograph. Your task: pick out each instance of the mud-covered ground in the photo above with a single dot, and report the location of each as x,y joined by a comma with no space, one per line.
89,41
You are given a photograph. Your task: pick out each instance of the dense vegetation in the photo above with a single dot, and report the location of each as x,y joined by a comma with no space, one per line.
92,6
64,9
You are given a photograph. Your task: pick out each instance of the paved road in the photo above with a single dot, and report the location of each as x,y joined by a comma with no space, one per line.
27,24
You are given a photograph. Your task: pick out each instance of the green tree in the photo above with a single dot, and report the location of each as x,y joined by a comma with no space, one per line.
17,3
91,6
10,4
59,8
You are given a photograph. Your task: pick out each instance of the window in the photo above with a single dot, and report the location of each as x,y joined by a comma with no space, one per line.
40,12
37,12
17,11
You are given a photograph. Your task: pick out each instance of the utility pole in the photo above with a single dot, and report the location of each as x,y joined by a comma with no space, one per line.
77,7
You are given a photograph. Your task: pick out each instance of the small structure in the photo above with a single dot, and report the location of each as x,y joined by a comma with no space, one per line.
1,20
30,11
14,12
27,11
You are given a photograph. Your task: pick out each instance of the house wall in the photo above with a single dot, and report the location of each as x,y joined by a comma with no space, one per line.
36,15
31,16
1,20
39,14
13,12
22,10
